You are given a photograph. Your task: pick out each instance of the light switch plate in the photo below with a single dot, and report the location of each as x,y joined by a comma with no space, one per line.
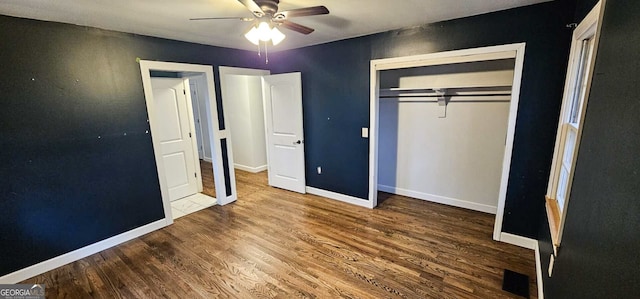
365,132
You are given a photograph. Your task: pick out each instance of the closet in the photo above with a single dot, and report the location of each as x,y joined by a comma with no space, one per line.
442,131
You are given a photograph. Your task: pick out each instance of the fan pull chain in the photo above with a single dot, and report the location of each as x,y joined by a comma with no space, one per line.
259,50
266,54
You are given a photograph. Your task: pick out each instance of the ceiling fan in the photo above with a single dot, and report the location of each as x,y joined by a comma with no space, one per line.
266,11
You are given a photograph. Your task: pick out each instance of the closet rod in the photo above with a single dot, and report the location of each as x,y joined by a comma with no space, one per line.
497,88
445,95
455,101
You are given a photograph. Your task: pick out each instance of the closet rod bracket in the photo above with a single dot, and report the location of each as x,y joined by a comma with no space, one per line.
442,102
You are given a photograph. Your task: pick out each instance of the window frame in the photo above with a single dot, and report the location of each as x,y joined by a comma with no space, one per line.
578,84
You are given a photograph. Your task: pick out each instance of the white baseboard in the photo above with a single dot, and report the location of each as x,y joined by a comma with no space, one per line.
207,159
519,241
440,199
539,272
340,197
250,169
78,254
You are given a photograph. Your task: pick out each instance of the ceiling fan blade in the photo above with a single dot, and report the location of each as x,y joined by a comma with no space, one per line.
302,12
253,7
223,18
296,27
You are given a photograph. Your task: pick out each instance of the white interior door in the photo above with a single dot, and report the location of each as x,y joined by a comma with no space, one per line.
176,144
284,136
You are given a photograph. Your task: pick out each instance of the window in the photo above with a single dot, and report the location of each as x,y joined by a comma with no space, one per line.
571,123
574,105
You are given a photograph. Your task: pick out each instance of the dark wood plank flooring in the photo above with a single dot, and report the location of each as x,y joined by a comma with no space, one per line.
275,243
208,185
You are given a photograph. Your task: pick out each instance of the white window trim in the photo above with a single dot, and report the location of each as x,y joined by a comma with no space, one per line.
588,28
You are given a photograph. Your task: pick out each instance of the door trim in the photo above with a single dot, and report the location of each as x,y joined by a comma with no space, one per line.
194,138
468,55
224,71
216,149
199,135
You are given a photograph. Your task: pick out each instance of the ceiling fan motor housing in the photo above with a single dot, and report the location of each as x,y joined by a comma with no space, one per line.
269,7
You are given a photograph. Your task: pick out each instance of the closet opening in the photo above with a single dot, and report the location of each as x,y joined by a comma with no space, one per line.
442,127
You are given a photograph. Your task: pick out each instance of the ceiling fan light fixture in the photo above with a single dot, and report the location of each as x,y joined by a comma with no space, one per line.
264,31
276,36
253,36
268,17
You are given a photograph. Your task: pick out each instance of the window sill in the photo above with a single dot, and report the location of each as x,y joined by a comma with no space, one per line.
553,215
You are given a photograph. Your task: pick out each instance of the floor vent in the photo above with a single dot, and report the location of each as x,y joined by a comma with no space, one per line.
516,283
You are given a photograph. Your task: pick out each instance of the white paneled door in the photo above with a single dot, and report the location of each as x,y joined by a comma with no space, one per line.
174,131
285,141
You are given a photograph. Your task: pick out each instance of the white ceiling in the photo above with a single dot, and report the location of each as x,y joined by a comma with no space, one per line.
170,18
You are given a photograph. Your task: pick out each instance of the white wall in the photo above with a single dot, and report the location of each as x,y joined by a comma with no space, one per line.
455,160
242,100
258,138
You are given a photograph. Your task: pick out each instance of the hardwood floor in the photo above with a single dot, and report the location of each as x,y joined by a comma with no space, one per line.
208,186
275,243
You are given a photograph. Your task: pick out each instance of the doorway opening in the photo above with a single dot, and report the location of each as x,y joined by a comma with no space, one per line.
189,147
264,117
437,81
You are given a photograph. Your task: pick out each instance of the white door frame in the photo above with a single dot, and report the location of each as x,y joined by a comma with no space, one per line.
509,51
224,72
216,149
199,132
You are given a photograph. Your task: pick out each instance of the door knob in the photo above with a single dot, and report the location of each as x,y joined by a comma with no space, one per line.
297,142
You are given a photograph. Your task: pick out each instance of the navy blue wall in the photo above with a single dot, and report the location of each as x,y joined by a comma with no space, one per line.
583,7
63,188
336,97
62,86
599,254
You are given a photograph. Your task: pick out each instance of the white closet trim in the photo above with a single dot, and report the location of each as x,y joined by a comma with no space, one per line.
509,51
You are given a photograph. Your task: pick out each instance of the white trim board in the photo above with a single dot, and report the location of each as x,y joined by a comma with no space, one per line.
518,240
468,55
439,199
78,254
339,197
539,281
250,169
230,70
